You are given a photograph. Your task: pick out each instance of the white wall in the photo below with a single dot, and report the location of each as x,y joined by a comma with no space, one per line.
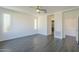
42,24
58,32
22,24
70,25
70,22
1,34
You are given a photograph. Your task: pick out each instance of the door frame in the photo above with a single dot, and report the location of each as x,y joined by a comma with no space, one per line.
77,31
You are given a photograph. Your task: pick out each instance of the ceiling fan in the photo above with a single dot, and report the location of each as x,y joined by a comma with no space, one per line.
39,10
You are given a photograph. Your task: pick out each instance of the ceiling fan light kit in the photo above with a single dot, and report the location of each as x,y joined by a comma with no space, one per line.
39,10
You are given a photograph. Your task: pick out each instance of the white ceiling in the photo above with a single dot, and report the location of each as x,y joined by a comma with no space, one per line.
52,9
32,9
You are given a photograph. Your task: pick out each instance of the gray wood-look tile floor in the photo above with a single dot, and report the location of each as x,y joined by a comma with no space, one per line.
39,43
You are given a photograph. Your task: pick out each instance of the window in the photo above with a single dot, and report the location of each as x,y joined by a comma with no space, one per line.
35,24
6,22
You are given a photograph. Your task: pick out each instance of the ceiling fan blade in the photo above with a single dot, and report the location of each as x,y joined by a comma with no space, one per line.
38,7
44,10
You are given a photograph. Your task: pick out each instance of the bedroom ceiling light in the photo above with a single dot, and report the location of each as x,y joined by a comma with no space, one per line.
38,10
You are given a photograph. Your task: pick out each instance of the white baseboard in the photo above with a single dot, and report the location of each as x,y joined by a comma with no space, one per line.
14,37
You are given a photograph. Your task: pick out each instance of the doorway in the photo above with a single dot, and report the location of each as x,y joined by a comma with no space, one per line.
50,21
